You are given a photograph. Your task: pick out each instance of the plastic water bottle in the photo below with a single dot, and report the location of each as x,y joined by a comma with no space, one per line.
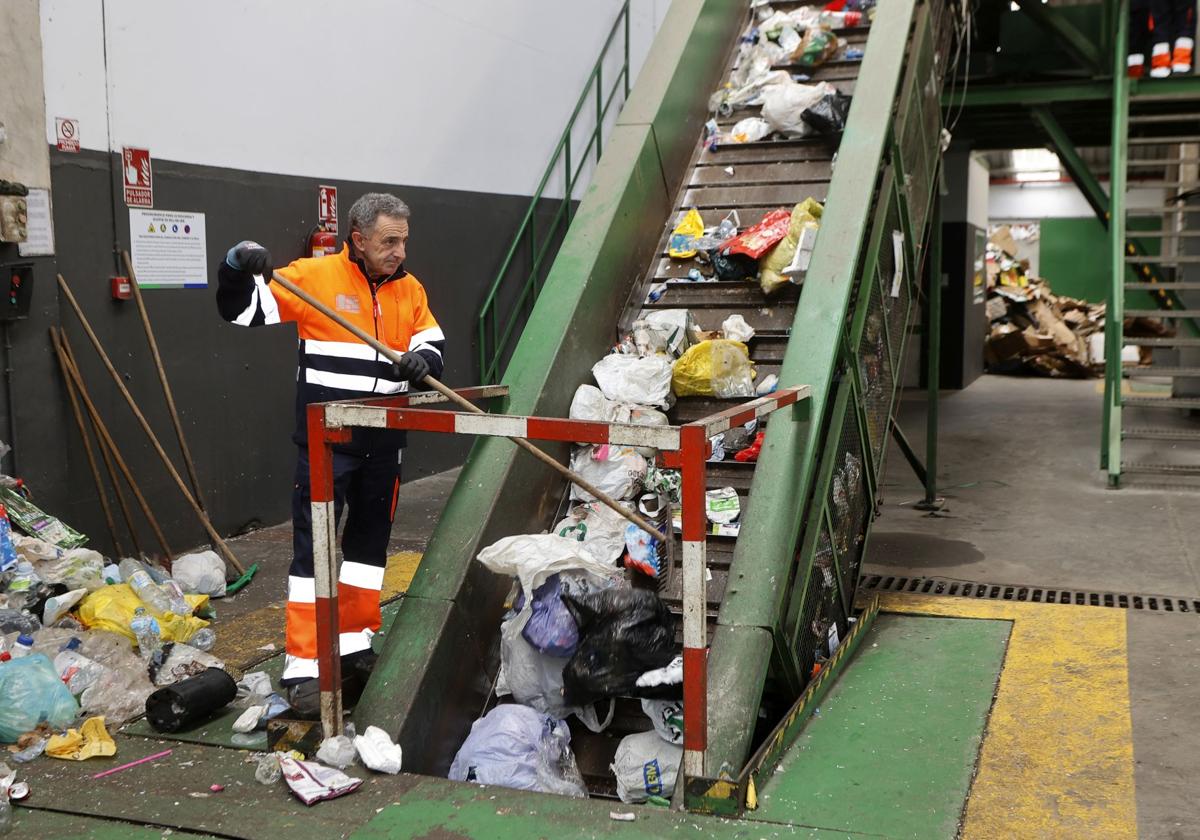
77,671
23,647
149,638
268,771
203,639
138,578
174,593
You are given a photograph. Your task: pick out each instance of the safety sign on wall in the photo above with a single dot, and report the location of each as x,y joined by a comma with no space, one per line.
168,248
327,208
139,183
67,132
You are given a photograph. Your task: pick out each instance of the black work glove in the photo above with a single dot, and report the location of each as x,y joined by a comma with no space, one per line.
412,366
254,258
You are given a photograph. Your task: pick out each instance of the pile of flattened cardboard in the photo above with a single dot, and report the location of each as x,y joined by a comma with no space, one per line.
1033,330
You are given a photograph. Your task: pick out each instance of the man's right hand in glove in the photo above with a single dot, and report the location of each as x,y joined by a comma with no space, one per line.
252,258
413,367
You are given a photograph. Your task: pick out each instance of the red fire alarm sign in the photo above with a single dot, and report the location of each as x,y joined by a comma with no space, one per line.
139,183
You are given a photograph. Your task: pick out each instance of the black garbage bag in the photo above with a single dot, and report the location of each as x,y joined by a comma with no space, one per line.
733,266
828,116
622,634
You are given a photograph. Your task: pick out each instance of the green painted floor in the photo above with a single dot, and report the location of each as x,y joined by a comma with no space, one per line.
892,751
890,754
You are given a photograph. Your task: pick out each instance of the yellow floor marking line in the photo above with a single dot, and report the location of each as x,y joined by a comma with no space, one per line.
264,626
1057,757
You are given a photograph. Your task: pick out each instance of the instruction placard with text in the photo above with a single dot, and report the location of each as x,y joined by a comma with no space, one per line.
168,249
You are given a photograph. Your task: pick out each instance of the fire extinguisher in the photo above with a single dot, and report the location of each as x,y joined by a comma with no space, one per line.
322,243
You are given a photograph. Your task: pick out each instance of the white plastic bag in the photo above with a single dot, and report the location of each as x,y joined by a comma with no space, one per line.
735,328
676,324
202,573
667,717
784,103
645,765
601,528
312,782
630,379
749,130
377,751
516,747
617,471
590,404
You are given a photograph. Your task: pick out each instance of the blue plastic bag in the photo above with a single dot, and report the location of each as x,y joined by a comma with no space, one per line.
33,693
551,628
517,747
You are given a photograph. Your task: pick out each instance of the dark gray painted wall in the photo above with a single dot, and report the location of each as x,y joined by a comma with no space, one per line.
234,387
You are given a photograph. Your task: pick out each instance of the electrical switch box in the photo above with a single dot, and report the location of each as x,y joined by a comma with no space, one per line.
17,280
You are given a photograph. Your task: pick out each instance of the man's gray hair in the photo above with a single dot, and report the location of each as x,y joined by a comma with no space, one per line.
371,206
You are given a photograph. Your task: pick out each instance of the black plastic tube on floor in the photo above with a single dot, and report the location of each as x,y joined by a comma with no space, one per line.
173,708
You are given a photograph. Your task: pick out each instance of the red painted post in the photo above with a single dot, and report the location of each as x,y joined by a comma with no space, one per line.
325,572
693,452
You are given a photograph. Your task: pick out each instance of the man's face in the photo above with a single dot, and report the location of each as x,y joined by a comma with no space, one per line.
382,247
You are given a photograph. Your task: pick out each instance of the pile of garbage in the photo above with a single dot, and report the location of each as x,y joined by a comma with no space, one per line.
83,639
802,38
1031,329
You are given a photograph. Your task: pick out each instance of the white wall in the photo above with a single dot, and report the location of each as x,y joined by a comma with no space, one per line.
24,156
466,95
1007,202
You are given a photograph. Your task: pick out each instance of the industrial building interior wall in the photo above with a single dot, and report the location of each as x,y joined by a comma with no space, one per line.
245,111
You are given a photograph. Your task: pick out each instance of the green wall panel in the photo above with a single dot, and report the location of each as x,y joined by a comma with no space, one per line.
1074,258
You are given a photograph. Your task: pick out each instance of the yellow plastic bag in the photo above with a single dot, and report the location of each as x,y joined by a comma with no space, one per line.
806,214
89,740
716,368
111,608
685,233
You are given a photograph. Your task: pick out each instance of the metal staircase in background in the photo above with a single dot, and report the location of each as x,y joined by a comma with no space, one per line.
1150,425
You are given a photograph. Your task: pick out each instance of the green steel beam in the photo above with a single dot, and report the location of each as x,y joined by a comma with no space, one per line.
1077,45
1028,94
1172,87
786,469
933,372
1073,162
1110,448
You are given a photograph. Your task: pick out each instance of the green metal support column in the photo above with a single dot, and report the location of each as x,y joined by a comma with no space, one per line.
1110,450
933,370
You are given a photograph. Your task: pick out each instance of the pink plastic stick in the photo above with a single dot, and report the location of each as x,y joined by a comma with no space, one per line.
109,772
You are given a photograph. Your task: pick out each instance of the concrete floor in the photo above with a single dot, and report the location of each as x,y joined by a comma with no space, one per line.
1027,504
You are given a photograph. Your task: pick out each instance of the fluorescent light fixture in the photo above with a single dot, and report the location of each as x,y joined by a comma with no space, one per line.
1035,165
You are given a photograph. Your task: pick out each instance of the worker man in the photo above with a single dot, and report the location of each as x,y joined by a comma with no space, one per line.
367,284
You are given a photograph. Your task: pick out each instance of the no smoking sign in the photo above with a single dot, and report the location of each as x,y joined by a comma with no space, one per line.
67,131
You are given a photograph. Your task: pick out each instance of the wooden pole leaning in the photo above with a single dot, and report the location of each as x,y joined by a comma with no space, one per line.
166,386
216,538
109,445
467,405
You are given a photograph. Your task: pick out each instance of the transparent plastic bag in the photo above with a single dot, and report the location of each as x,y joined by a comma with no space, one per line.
645,765
517,747
784,106
33,693
630,379
615,470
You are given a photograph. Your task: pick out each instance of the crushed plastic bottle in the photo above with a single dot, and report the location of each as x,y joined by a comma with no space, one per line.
149,637
30,753
174,593
150,593
203,639
268,771
77,671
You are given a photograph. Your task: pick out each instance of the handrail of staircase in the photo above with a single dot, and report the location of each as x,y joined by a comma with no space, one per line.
495,332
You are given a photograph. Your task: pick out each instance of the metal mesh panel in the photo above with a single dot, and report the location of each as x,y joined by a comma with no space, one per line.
916,167
849,504
896,306
822,608
875,367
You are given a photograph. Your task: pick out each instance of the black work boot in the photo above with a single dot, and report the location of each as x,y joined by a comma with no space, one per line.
305,700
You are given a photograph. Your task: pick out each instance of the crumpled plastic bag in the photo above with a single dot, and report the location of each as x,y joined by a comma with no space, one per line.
667,718
517,747
784,106
90,740
622,634
757,239
717,368
183,661
645,765
202,573
312,782
817,46
680,245
615,470
735,328
33,693
677,326
378,752
774,266
748,130
596,524
632,379
111,608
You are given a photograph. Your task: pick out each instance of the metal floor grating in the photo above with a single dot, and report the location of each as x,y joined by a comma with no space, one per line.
1027,594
